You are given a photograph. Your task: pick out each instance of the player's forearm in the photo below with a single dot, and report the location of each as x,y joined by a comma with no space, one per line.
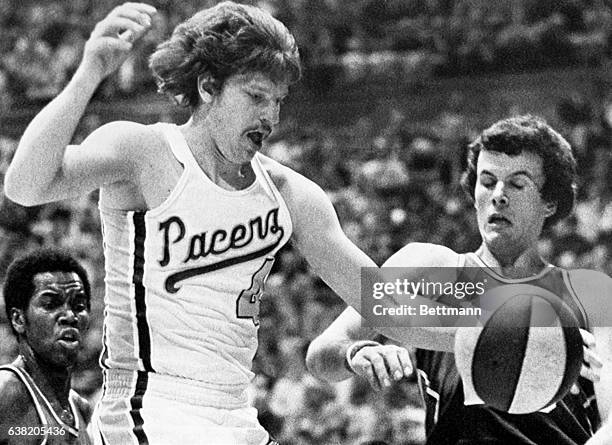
326,359
39,156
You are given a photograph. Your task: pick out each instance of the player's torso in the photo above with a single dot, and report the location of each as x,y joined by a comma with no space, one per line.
40,424
444,395
183,280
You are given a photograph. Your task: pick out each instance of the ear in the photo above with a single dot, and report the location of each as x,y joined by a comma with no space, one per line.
550,209
204,88
18,320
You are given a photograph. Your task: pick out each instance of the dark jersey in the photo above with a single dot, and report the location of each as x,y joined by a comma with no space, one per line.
50,429
448,421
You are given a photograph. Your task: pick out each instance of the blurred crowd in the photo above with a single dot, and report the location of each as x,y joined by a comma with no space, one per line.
390,185
340,40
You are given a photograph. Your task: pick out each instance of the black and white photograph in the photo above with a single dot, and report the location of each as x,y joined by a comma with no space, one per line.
306,222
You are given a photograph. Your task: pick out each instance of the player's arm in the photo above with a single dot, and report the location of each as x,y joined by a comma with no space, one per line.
329,356
43,168
594,289
318,236
346,348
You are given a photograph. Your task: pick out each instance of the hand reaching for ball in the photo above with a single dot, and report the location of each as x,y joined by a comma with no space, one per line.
382,364
591,366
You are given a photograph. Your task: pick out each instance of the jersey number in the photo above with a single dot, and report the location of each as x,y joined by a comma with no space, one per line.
247,305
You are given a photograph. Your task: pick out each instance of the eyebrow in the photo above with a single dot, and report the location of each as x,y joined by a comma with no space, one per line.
517,173
57,288
259,89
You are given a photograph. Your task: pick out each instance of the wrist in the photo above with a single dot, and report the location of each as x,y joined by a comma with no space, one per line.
87,77
352,351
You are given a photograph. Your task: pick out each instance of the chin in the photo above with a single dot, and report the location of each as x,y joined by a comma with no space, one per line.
65,359
497,241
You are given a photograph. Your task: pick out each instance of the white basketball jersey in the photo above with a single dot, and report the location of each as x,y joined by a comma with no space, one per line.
183,280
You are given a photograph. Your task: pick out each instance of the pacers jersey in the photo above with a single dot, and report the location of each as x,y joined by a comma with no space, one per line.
183,280
449,421
51,429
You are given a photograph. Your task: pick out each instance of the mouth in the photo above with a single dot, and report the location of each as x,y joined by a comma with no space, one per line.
498,220
257,137
70,338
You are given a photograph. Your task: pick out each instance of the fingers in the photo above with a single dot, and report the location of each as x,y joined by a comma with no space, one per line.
381,365
368,373
380,369
587,338
590,373
591,367
592,358
405,361
142,8
130,21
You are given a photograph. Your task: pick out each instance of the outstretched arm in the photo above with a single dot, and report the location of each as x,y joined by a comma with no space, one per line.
346,348
42,153
332,256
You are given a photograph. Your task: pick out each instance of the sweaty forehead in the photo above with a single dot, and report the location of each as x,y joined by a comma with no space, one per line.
501,164
57,281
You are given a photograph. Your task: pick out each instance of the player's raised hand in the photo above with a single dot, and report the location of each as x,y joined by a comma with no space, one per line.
382,364
112,38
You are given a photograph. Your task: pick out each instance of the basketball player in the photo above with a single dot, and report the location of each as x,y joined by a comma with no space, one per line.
521,176
47,297
192,218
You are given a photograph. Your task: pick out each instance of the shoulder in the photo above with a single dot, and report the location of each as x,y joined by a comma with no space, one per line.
303,197
594,290
424,255
125,129
126,136
286,179
14,396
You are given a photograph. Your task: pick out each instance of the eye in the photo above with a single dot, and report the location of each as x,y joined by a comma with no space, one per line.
518,183
487,181
256,97
80,307
80,304
50,301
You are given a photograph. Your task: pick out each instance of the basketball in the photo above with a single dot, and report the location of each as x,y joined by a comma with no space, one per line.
526,357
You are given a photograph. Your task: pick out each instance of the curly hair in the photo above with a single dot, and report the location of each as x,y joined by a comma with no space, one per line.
222,41
19,284
528,133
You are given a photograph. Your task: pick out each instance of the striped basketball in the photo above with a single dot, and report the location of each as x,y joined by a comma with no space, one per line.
525,358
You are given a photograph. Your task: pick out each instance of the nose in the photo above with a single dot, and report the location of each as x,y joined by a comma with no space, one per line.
500,198
271,114
68,316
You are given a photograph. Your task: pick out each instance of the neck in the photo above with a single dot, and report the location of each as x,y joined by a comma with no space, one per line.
223,172
47,376
513,265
